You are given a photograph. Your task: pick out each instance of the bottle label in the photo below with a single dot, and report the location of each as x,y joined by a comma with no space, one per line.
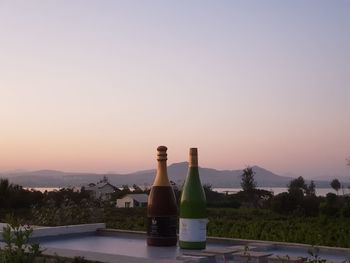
162,226
193,230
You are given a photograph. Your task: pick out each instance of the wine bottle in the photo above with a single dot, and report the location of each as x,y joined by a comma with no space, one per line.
162,207
193,214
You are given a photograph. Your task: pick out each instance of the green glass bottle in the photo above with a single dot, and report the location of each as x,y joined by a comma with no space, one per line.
193,212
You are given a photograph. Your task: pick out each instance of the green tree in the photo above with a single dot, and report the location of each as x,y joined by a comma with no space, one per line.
297,184
311,189
335,185
4,192
14,196
296,189
295,200
248,183
331,206
348,163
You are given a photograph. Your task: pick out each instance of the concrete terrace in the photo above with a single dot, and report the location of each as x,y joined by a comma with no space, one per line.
95,242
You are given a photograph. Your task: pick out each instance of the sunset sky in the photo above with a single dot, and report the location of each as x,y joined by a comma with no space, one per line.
96,86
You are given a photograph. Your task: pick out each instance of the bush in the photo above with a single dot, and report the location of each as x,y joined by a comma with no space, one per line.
14,196
282,203
346,210
67,213
265,225
310,206
331,206
17,247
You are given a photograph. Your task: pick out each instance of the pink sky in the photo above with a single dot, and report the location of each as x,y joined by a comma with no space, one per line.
97,86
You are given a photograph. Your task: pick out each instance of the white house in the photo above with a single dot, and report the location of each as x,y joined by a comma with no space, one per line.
102,190
132,200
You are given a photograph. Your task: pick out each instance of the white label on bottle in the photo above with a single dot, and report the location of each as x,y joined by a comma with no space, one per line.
193,230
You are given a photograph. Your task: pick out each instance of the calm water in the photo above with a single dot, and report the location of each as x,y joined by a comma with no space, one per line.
278,190
43,189
275,190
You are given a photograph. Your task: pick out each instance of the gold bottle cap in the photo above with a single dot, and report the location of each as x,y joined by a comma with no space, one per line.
193,162
162,155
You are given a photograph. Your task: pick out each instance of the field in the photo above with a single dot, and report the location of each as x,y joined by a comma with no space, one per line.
253,224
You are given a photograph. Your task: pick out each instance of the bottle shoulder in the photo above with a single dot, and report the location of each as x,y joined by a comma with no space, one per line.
192,189
193,196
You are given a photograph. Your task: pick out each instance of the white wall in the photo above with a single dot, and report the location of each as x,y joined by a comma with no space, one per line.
121,202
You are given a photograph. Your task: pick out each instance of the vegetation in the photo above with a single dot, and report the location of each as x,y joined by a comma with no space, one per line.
66,207
294,216
311,189
335,184
19,249
251,223
248,183
15,197
266,225
299,200
315,258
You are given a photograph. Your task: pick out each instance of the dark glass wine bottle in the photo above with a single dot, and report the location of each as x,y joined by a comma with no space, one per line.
161,208
193,214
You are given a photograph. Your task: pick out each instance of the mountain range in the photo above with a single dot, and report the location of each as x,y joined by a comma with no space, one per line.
177,173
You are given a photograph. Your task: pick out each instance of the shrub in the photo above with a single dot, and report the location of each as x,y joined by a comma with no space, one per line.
310,205
67,213
346,210
332,206
17,247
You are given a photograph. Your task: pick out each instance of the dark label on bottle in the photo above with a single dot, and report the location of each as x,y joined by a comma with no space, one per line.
162,226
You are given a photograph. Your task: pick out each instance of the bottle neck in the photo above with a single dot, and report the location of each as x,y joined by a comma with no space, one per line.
162,174
193,171
193,161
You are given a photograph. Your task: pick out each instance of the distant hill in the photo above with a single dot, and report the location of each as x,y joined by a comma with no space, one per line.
177,173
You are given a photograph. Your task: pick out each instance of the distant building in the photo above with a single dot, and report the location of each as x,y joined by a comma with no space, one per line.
102,190
132,200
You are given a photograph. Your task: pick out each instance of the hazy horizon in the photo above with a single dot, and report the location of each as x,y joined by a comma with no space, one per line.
97,86
19,171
